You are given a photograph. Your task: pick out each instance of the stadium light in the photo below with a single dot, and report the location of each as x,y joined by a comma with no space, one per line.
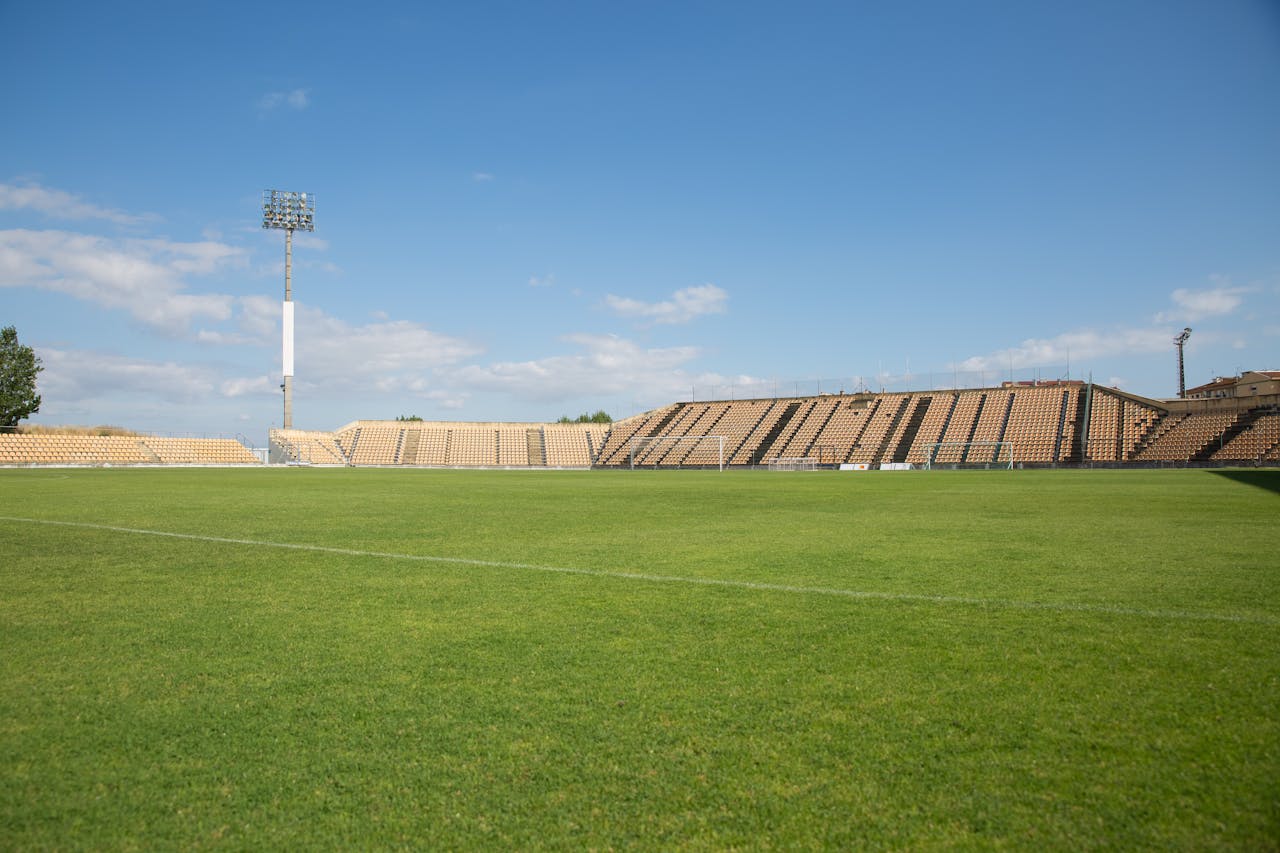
288,212
1178,342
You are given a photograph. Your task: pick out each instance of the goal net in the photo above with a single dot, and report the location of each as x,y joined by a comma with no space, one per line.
793,463
969,455
674,451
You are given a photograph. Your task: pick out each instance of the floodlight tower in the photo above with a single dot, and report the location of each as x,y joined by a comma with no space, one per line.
1178,342
290,212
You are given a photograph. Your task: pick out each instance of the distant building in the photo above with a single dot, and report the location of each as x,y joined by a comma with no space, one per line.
1251,383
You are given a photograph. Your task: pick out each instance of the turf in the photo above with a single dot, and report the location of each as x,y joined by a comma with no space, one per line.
463,659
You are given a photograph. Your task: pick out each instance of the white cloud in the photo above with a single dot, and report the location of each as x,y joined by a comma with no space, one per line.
1197,304
1071,346
305,240
143,277
247,385
388,356
61,205
605,365
83,375
542,281
296,99
482,177
684,305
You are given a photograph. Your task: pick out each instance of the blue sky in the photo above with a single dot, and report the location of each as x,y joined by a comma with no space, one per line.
533,209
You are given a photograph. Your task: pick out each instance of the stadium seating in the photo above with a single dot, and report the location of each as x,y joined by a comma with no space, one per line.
1044,424
78,449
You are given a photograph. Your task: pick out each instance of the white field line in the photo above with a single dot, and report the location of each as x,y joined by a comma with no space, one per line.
995,603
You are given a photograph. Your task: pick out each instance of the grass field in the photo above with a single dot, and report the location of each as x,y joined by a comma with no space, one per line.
463,659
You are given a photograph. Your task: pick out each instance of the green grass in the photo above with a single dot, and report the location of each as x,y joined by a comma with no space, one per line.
1050,659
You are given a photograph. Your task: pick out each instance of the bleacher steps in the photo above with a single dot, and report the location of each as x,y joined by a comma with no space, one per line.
409,446
1241,423
913,426
831,414
537,446
1161,425
888,434
766,443
973,428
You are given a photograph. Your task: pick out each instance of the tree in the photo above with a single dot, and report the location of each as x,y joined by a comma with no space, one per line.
18,369
600,417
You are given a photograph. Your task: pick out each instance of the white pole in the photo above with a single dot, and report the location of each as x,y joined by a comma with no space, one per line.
288,329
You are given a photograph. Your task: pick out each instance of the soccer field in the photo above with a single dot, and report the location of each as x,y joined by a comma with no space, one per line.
331,658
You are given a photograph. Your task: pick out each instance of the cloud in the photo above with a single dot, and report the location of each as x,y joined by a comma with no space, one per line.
296,99
544,281
684,305
304,240
1197,304
60,205
606,365
249,385
335,357
84,375
482,177
143,277
1071,346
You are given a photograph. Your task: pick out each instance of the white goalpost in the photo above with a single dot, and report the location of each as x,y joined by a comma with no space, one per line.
793,463
969,455
678,450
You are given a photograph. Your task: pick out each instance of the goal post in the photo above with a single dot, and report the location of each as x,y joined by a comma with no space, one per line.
793,463
675,451
968,455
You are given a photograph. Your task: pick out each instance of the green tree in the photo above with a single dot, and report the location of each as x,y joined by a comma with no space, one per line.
600,417
18,369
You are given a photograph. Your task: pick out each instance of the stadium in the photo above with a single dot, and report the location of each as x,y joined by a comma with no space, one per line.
1230,421
564,636
755,601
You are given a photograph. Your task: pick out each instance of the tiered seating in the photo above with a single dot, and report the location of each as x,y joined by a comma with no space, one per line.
803,437
69,449
835,441
377,444
782,444
471,446
1182,440
653,454
716,423
1116,426
319,448
1263,435
960,426
1105,428
617,448
597,435
1252,443
1033,423
567,445
199,451
877,428
512,444
1138,421
433,445
701,453
899,431
768,413
935,420
990,425
1040,422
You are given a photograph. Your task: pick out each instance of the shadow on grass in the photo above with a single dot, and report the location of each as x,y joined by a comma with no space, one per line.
1269,480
